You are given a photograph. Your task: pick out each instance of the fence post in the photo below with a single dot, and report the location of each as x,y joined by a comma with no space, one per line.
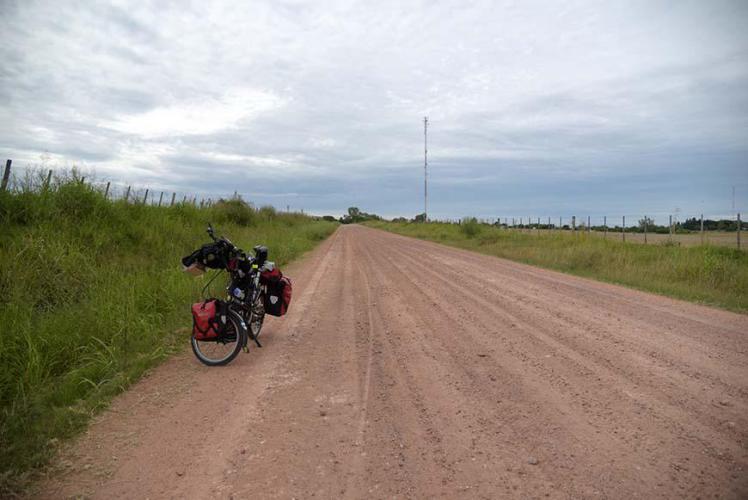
49,179
6,175
589,227
549,224
160,198
145,198
574,224
202,202
623,228
701,230
127,194
605,227
561,223
83,179
739,224
645,229
173,195
184,200
670,228
106,191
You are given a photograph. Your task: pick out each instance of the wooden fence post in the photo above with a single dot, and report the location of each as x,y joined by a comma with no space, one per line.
106,191
145,197
623,228
6,175
173,195
561,223
184,200
49,179
739,224
127,194
574,223
605,227
645,229
670,228
160,198
701,230
589,226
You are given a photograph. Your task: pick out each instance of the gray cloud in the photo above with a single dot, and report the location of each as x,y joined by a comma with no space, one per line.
572,106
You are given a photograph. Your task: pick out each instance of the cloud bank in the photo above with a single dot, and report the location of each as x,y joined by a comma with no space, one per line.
535,108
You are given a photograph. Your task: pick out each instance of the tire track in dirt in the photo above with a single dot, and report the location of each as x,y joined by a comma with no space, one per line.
588,368
591,361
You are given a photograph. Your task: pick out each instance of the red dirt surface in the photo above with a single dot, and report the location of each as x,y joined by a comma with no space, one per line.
409,369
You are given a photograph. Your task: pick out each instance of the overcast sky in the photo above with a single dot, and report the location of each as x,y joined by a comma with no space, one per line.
535,108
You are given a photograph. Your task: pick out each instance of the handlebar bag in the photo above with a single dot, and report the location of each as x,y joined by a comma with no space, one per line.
212,255
278,296
208,319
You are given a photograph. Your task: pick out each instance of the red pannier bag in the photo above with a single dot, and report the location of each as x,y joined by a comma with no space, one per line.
278,296
208,319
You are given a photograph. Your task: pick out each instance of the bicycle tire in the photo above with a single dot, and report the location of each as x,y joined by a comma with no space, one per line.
237,323
258,317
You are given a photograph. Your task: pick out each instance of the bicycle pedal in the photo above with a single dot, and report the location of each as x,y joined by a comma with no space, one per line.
245,349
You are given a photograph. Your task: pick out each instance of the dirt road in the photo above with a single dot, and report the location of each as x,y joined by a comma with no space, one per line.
410,369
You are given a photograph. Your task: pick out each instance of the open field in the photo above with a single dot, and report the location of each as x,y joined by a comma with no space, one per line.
718,238
711,275
406,368
91,295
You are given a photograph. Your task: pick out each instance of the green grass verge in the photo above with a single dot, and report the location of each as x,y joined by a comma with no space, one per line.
711,275
92,295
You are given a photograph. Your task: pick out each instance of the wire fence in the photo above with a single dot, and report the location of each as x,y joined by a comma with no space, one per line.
677,229
37,179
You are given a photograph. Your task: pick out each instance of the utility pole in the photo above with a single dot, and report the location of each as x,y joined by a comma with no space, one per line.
425,169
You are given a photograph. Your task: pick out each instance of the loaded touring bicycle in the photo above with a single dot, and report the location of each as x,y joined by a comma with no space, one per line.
256,287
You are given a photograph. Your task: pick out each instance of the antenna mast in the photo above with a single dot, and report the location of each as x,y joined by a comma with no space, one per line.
425,169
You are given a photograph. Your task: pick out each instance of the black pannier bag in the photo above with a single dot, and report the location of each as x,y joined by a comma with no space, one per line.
278,296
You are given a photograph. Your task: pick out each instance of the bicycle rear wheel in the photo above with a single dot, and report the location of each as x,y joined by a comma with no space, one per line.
258,316
221,351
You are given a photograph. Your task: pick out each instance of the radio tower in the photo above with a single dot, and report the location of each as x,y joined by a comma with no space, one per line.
425,169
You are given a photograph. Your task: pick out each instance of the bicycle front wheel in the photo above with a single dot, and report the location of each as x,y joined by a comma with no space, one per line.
221,351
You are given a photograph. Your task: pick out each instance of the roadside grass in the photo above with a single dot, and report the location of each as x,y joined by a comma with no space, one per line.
92,295
711,275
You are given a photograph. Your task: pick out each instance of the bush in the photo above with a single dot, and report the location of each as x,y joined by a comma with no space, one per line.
470,227
235,211
267,212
